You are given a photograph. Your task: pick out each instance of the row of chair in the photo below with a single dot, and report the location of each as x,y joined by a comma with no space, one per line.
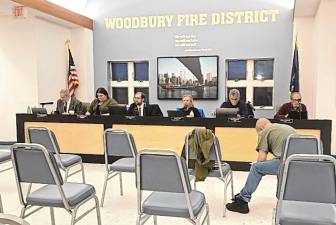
306,189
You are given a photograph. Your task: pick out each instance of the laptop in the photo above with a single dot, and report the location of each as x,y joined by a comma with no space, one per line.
118,110
174,113
36,111
298,115
226,112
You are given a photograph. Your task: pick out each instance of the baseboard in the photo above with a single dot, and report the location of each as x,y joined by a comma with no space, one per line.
7,142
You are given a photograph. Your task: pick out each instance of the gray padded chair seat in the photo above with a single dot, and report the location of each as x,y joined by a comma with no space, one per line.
68,159
4,156
307,213
50,196
124,165
173,204
215,172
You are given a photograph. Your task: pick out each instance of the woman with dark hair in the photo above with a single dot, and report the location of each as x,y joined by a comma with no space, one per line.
101,104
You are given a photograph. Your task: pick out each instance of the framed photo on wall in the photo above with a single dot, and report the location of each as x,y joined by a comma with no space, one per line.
188,75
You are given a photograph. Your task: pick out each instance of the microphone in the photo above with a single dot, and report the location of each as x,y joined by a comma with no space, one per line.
46,103
250,105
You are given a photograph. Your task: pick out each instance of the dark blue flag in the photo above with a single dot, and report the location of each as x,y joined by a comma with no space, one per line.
294,81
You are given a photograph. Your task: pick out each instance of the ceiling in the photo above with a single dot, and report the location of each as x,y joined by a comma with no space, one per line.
306,8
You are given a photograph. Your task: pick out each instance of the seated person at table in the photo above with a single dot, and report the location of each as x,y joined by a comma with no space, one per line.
140,108
294,105
234,102
102,103
66,104
188,108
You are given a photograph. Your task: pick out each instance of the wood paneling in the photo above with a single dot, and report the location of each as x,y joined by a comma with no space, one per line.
167,137
74,137
239,144
58,11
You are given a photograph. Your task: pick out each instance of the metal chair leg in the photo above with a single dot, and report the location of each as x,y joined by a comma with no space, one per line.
104,190
232,189
97,210
138,221
155,220
23,210
52,215
83,174
121,184
225,199
208,212
66,174
1,207
73,217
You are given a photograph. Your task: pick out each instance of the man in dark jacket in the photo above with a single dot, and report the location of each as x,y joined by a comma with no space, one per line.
140,108
234,102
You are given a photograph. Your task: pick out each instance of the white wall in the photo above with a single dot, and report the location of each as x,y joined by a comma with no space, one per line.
317,45
51,58
304,28
82,52
34,66
325,48
18,72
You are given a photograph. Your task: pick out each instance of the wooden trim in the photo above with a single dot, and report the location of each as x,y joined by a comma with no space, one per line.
58,11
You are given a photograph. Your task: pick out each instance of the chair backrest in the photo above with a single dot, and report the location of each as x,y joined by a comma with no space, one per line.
34,164
215,149
309,178
163,171
301,144
119,143
45,137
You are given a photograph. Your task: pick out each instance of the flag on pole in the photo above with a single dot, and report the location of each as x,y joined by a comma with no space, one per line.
73,81
294,82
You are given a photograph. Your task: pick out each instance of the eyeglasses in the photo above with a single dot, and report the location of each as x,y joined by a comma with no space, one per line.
297,99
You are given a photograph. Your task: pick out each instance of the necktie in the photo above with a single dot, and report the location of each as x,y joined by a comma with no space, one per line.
65,107
139,109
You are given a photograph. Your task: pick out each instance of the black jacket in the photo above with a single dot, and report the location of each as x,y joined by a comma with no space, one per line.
187,111
244,110
149,110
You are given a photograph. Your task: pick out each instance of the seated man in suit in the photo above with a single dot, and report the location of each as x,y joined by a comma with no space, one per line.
67,104
139,107
294,105
234,102
188,109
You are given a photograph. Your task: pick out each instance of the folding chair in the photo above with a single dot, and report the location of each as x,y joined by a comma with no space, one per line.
46,137
118,143
308,191
33,164
222,170
165,174
298,144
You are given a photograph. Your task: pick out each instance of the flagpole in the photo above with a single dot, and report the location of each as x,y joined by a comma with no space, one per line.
67,46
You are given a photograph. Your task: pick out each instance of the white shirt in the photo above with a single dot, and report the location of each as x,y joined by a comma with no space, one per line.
68,105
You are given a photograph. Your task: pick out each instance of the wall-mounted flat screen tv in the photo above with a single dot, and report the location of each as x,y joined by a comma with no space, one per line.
189,75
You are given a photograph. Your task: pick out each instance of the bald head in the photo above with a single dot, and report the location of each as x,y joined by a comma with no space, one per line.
262,124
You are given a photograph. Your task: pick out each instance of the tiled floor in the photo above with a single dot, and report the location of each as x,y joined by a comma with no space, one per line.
122,210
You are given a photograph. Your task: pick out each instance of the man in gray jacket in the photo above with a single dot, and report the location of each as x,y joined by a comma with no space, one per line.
66,104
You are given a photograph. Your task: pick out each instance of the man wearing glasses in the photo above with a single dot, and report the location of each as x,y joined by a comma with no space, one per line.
293,108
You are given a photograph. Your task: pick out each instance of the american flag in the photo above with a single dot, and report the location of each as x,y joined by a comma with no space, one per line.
73,81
